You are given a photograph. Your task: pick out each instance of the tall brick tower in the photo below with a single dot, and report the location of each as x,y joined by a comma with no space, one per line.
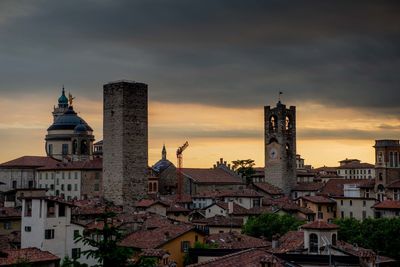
125,147
280,146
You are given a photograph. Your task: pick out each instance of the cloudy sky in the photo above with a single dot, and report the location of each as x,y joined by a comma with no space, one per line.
211,66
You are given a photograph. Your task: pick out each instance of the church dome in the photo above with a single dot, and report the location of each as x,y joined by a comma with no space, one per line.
161,165
80,128
68,121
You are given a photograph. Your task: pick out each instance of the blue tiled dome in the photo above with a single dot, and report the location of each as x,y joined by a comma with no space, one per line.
80,128
63,100
68,121
161,165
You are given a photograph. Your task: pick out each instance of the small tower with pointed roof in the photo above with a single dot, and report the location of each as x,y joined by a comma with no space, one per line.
62,105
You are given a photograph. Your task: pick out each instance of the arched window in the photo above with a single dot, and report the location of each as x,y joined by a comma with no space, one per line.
272,140
288,123
273,121
313,243
334,240
287,150
74,147
150,187
155,187
84,147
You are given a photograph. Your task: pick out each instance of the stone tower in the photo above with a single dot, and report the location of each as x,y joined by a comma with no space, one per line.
125,147
280,146
387,165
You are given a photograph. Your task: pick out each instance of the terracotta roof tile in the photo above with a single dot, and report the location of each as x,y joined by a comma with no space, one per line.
211,176
219,220
94,164
388,205
318,224
234,240
155,238
319,199
237,209
28,161
394,185
149,252
9,213
357,165
32,255
291,241
308,187
268,188
335,187
249,258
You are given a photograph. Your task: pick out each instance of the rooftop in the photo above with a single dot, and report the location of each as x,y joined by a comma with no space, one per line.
29,162
321,225
211,176
388,205
32,255
234,240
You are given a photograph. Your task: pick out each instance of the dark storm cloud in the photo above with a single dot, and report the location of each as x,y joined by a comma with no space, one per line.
223,53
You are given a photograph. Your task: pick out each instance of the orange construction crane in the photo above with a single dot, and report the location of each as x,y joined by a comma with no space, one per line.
179,155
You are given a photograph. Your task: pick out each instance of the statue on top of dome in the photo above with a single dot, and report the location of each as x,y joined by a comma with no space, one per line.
70,99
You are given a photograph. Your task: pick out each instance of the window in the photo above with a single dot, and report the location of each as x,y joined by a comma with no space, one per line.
351,202
364,214
185,245
97,176
51,209
364,203
351,214
313,243
49,234
76,175
30,184
334,239
14,184
52,187
50,149
96,187
28,208
76,253
65,149
28,228
69,175
63,175
341,202
62,187
61,210
75,187
320,215
7,225
256,203
342,214
76,234
69,187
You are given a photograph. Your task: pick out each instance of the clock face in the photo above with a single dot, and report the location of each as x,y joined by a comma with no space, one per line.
273,153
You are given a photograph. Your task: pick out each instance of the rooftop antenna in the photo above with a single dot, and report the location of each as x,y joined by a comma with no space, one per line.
279,96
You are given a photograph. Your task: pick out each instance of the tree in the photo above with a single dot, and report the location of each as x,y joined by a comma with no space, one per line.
245,168
379,235
270,224
106,250
67,262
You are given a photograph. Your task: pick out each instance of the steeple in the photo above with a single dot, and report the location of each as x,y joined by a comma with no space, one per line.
164,153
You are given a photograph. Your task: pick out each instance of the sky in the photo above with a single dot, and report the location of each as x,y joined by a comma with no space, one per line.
211,66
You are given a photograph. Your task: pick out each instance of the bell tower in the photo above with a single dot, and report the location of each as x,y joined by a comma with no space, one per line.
280,146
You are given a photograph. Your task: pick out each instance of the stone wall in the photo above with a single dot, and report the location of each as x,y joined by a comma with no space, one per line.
125,148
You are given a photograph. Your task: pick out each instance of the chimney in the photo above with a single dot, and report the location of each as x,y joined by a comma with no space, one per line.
166,235
230,207
275,241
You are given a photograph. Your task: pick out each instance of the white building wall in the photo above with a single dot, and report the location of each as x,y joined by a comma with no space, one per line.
58,181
